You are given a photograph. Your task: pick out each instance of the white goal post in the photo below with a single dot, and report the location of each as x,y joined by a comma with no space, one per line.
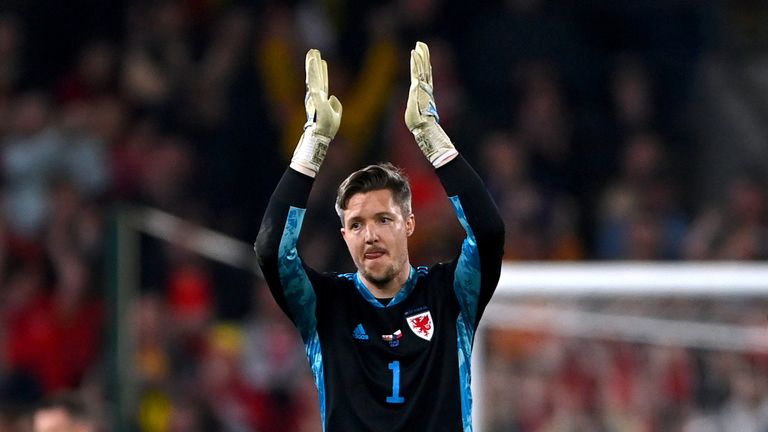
620,280
518,282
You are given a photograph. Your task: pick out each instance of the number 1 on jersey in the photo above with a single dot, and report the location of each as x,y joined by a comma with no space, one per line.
395,398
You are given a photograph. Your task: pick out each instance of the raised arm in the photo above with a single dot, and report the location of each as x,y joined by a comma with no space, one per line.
287,276
478,266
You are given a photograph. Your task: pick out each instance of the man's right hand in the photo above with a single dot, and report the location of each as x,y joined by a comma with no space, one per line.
421,112
323,117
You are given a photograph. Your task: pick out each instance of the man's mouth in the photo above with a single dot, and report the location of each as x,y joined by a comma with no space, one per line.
373,254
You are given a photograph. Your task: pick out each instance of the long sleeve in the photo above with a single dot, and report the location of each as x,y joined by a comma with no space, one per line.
290,281
283,269
479,263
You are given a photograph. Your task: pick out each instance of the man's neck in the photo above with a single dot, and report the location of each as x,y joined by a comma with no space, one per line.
388,289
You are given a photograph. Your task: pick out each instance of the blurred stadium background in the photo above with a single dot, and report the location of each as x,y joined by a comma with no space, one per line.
625,142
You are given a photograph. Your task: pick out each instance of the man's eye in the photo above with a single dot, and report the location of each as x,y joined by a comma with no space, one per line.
386,219
355,225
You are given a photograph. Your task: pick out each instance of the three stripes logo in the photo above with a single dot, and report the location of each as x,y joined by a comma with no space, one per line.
359,333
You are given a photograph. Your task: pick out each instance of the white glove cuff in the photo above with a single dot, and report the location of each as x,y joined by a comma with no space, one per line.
435,144
310,152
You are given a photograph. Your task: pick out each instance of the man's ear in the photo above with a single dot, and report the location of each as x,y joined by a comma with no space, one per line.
343,233
410,224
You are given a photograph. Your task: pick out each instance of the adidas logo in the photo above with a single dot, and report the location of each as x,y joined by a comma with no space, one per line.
359,333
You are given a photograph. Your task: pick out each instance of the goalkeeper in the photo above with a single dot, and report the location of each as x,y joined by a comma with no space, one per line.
389,345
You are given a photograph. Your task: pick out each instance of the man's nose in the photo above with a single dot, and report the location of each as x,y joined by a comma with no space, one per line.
370,233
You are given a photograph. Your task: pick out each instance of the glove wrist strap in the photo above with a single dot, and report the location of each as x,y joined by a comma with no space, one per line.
435,144
310,152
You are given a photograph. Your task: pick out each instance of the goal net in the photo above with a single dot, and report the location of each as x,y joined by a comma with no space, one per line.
625,346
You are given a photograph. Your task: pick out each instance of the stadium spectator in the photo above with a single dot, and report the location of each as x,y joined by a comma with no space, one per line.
31,153
640,214
63,413
737,230
541,224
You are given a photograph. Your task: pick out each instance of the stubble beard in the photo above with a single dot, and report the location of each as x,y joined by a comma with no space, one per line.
389,274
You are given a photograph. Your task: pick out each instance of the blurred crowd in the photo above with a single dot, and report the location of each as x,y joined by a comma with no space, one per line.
574,113
547,383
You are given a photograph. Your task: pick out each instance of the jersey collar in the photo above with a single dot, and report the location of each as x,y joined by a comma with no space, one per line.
413,276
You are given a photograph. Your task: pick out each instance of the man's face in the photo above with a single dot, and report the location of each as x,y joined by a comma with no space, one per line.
57,420
376,233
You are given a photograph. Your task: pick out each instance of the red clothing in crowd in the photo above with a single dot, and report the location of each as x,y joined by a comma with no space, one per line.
55,347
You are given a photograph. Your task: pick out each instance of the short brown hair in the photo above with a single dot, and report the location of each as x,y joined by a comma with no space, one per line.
375,177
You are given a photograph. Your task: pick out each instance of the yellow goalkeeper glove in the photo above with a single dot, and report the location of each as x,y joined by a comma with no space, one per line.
323,118
421,112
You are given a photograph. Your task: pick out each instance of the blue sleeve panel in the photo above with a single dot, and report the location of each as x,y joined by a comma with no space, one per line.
278,235
466,286
301,298
286,275
466,280
297,289
478,266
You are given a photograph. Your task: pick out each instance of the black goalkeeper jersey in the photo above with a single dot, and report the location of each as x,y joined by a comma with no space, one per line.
397,366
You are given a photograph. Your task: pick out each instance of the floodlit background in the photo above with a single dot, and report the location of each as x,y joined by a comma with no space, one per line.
624,130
